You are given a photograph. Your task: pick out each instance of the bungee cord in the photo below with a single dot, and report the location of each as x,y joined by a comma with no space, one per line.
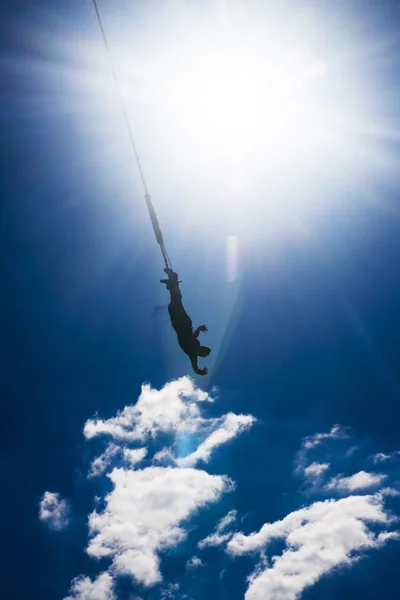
147,197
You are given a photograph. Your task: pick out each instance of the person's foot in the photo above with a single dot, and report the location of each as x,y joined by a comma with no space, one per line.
171,274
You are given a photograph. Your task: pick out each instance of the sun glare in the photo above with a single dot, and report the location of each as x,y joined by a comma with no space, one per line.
225,91
229,101
229,97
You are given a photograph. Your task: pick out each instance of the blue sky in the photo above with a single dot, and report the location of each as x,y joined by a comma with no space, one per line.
276,476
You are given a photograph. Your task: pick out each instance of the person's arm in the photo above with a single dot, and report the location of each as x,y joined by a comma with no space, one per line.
197,331
196,367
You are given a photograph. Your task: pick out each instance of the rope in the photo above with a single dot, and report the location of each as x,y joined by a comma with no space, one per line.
152,213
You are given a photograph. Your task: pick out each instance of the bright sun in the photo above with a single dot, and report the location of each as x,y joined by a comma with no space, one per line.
221,90
227,102
229,97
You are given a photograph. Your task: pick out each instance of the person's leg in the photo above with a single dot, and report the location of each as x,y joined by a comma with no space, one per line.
179,317
172,283
172,276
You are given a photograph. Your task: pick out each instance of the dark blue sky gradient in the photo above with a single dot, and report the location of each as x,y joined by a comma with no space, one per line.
316,341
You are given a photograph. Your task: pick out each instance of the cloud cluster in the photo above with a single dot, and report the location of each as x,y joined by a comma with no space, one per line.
53,510
101,463
324,534
150,506
101,588
318,538
145,514
359,481
336,433
222,431
310,443
157,493
315,469
194,563
173,409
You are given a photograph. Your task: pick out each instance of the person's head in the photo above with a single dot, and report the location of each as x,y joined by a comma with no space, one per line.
204,351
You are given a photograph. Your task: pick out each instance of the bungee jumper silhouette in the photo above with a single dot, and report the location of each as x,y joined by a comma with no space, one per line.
180,320
182,323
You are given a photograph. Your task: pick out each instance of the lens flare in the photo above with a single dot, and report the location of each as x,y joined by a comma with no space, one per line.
232,258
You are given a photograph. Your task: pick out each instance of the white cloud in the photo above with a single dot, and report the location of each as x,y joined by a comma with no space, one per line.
148,508
352,450
165,456
170,592
53,511
318,538
382,457
314,441
102,462
144,514
226,429
390,491
219,537
133,457
83,588
337,432
173,409
358,481
228,520
316,469
385,536
215,539
194,563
